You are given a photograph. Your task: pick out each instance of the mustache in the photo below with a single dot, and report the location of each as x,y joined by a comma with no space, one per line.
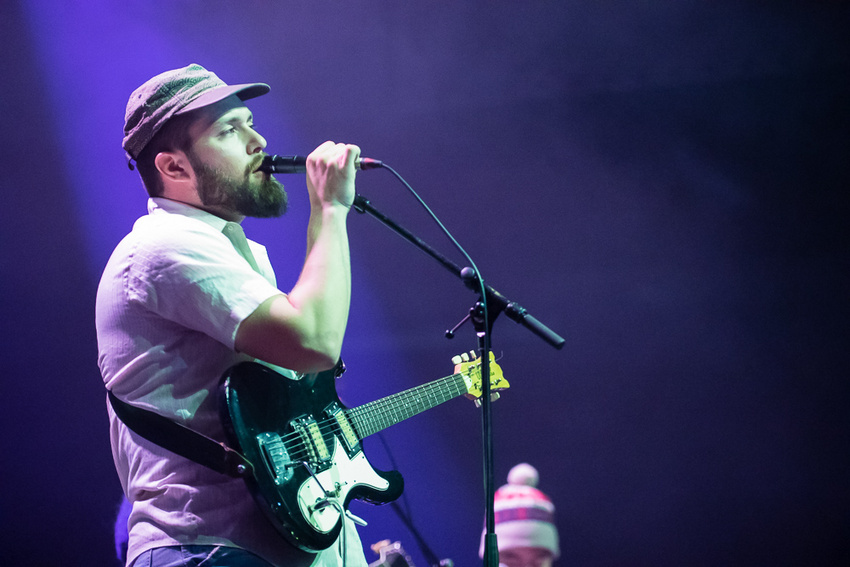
255,166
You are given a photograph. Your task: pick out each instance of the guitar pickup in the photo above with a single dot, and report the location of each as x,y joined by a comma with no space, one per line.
312,440
346,429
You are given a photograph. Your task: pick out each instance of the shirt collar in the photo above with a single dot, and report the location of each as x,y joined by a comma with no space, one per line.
156,205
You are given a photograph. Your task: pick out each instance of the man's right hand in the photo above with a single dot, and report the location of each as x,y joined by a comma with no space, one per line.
303,330
330,174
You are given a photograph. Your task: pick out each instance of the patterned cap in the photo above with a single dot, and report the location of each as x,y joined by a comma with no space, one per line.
171,93
525,517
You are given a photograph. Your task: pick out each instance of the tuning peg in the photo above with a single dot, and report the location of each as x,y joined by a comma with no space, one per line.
456,359
493,397
473,355
465,357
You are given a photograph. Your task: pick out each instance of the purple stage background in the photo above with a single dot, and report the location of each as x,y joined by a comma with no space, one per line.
662,183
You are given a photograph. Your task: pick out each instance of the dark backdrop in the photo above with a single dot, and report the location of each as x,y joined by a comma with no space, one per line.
663,183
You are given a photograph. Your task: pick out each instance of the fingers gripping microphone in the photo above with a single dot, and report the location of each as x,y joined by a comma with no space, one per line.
298,164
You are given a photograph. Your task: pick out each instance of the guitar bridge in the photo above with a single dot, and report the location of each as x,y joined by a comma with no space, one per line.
275,457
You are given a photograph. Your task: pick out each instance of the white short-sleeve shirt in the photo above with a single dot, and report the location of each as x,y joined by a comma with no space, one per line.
169,303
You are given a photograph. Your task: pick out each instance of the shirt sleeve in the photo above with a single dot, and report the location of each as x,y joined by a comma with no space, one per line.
196,280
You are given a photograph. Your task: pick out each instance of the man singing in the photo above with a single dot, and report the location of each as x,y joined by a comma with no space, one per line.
185,296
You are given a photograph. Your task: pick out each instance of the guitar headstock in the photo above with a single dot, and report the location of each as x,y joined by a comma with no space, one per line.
469,365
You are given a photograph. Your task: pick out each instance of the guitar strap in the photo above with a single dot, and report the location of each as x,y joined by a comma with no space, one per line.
181,440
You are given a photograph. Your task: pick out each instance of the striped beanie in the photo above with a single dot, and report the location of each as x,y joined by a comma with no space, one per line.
525,517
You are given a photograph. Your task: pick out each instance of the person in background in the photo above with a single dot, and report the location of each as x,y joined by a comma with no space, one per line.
525,522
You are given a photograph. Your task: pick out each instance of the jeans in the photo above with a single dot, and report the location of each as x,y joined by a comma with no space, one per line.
198,556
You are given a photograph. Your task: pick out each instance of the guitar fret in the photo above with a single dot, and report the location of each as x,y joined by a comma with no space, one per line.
381,414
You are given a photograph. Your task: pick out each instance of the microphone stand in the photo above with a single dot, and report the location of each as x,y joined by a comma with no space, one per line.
482,315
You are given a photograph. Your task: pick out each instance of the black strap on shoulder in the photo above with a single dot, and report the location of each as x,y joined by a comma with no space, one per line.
181,440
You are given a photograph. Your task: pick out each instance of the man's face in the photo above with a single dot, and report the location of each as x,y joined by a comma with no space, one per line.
225,155
525,557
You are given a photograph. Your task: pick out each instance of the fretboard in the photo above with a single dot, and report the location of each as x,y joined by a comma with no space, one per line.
380,414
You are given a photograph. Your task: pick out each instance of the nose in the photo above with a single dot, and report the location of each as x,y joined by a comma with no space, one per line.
256,143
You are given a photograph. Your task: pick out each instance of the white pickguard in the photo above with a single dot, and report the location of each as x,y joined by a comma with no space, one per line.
344,474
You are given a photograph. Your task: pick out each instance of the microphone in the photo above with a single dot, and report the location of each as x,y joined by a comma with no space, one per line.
298,164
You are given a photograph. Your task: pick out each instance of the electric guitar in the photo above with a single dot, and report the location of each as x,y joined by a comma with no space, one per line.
305,447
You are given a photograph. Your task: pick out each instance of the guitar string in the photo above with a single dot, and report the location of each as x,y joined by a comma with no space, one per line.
391,403
374,414
399,407
380,413
394,402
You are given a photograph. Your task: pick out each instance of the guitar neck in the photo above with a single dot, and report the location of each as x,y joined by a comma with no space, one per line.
378,415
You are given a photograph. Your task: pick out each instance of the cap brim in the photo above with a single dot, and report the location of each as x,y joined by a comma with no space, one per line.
212,96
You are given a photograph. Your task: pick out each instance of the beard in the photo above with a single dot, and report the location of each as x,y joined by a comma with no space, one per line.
250,197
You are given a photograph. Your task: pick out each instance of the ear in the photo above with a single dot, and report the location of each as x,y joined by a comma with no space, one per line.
174,167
